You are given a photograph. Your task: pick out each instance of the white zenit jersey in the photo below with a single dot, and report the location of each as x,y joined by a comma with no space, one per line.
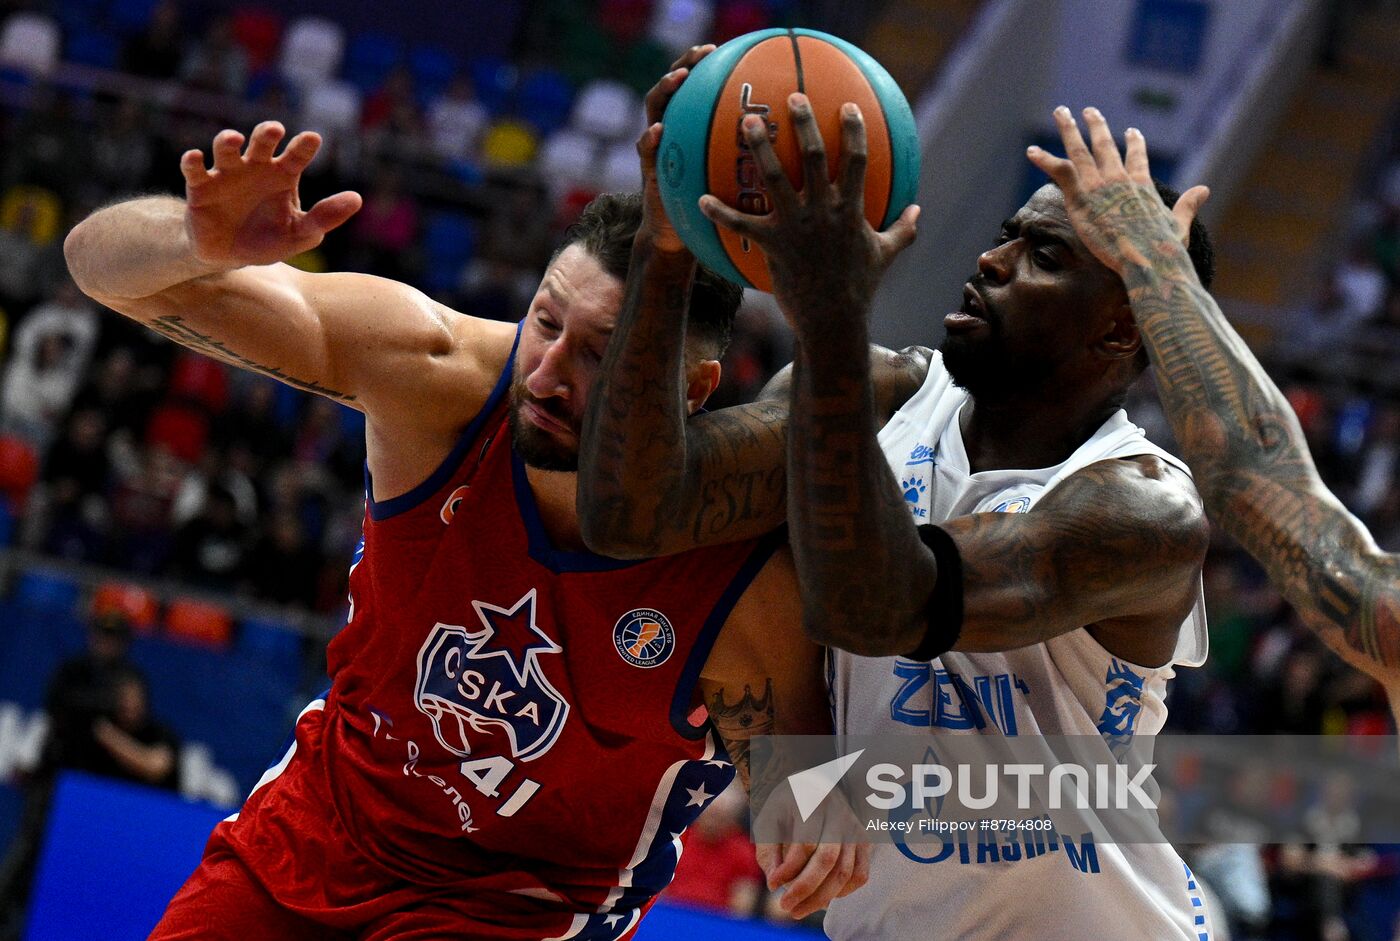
1000,885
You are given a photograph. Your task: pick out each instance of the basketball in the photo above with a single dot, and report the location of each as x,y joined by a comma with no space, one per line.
702,148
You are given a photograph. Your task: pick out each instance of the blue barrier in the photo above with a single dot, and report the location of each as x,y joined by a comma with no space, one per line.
113,856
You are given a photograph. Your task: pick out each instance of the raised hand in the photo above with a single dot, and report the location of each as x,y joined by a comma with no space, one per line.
656,225
823,255
246,210
1111,201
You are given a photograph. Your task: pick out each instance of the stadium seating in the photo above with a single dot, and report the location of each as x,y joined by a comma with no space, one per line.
544,99
569,157
29,42
130,16
448,243
19,469
331,108
79,15
679,24
619,172
312,48
198,622
369,60
259,32
7,521
606,109
509,144
433,70
495,81
85,46
642,64
137,605
625,21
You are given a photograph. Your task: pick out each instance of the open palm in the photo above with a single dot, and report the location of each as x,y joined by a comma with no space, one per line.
246,209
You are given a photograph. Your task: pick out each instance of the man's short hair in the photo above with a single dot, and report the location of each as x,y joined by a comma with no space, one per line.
606,228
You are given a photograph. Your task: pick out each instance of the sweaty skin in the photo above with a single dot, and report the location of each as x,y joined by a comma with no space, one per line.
1236,429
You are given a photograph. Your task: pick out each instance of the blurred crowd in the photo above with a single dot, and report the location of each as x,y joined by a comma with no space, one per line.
119,449
1354,317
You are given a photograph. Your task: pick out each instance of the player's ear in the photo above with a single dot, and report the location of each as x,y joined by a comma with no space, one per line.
702,380
1121,339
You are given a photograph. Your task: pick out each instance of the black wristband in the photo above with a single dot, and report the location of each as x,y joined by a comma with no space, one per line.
944,613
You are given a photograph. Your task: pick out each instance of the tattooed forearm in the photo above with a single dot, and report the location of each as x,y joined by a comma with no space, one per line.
1117,539
651,482
738,722
865,574
177,329
630,457
1251,461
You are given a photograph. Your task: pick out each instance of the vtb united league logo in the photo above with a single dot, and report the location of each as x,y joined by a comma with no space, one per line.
644,638
490,677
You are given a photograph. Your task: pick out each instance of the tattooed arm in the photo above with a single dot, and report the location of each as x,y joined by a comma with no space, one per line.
764,678
650,481
653,482
1236,429
205,272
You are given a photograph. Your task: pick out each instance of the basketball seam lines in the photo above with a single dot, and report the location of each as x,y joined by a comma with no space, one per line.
797,60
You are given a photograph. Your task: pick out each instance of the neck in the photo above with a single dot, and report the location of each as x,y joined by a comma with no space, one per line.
1029,434
556,496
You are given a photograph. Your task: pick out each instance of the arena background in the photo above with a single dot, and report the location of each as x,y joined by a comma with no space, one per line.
213,513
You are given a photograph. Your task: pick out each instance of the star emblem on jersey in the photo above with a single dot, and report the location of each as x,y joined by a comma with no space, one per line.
698,797
488,679
511,634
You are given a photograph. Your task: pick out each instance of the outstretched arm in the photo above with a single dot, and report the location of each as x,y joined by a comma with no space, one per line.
206,272
1236,429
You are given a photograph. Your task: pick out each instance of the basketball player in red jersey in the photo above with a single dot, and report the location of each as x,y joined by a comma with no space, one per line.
508,748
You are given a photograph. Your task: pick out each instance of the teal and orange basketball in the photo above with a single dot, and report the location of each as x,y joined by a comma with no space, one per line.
703,151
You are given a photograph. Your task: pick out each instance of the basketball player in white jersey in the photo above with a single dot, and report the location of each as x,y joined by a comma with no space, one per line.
1008,556
1235,428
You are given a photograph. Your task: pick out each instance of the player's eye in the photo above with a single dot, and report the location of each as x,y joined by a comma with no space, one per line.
1046,258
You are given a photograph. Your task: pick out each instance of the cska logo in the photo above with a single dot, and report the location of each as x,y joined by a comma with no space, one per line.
488,680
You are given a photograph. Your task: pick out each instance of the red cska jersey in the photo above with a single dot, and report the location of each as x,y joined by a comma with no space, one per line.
511,717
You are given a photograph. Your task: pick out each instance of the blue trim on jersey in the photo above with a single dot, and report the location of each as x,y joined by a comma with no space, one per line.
415,497
287,742
542,548
658,867
681,705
